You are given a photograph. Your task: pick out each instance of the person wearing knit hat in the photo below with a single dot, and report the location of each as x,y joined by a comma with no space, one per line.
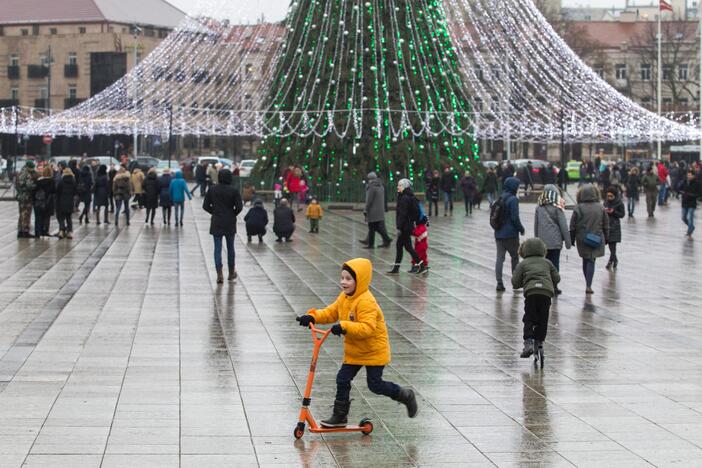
551,225
26,186
406,215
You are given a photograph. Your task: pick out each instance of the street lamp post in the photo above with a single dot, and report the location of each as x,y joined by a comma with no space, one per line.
136,30
48,96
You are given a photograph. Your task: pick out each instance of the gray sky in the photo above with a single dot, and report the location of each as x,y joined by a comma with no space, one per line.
275,9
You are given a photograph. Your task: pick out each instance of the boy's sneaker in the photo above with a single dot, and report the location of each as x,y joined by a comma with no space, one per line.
528,348
424,269
417,268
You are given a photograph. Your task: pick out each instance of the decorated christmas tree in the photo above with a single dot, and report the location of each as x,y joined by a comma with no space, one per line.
367,86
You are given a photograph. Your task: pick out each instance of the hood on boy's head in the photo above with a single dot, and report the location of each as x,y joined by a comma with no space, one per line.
363,268
372,176
533,247
258,203
512,185
179,175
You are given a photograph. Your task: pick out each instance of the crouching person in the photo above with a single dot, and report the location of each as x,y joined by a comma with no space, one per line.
358,317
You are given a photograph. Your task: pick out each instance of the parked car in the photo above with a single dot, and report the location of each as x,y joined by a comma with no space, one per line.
144,163
163,165
490,164
65,159
246,167
106,160
573,168
226,163
210,160
538,166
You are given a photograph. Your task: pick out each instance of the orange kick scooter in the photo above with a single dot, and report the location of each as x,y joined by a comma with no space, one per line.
365,426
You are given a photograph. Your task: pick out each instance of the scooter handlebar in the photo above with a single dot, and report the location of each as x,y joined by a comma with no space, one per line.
315,329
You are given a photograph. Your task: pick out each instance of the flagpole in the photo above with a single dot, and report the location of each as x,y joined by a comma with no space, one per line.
660,79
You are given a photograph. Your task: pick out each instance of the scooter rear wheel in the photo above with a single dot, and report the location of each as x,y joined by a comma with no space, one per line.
366,425
298,433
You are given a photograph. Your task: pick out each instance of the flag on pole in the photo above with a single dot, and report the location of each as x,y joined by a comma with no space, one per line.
665,5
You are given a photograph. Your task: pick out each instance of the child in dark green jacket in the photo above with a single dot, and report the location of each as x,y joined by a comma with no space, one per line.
539,278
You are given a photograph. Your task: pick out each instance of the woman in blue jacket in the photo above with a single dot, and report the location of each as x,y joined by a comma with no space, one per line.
178,190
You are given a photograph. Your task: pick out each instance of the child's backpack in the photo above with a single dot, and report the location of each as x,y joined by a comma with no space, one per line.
498,214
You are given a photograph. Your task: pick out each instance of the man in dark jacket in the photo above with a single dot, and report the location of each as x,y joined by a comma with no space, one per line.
223,202
200,178
407,212
283,221
448,186
691,192
375,211
507,236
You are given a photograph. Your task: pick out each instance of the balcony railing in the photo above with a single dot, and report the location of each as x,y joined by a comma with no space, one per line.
41,103
70,70
13,72
37,71
8,103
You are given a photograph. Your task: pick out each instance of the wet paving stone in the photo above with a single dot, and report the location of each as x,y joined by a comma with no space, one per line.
119,350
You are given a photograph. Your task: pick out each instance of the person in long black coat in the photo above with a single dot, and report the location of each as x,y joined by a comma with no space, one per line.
256,221
283,221
101,194
110,194
406,213
85,191
44,202
614,207
65,194
164,196
223,202
152,189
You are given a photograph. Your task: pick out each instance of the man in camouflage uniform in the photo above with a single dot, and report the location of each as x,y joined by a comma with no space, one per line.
26,186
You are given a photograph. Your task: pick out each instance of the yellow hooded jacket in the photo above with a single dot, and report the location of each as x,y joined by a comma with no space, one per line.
366,340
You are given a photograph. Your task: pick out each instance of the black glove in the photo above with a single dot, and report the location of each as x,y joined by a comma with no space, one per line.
305,320
337,330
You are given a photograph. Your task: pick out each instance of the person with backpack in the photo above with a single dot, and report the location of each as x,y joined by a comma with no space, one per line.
633,187
44,202
256,221
490,185
650,186
691,190
152,189
504,219
614,207
406,215
178,190
164,196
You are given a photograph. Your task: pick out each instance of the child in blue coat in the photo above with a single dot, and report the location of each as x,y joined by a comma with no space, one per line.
178,189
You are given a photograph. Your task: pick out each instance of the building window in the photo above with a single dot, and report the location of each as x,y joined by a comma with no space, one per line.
35,29
72,92
53,31
25,32
645,72
683,102
43,93
2,31
667,103
14,60
620,71
162,33
149,32
599,70
81,30
646,102
14,94
72,58
667,72
682,72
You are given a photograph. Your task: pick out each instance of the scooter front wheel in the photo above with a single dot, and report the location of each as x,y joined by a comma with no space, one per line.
298,432
366,426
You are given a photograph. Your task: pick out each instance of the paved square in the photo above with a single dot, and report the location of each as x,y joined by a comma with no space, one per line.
118,350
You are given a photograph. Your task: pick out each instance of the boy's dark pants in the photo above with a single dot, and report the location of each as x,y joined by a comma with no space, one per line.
536,308
374,375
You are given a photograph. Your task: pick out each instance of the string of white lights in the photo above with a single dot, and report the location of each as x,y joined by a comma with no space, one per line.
518,79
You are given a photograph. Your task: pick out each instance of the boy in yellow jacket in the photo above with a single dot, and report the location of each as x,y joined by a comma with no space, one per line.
366,342
314,214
